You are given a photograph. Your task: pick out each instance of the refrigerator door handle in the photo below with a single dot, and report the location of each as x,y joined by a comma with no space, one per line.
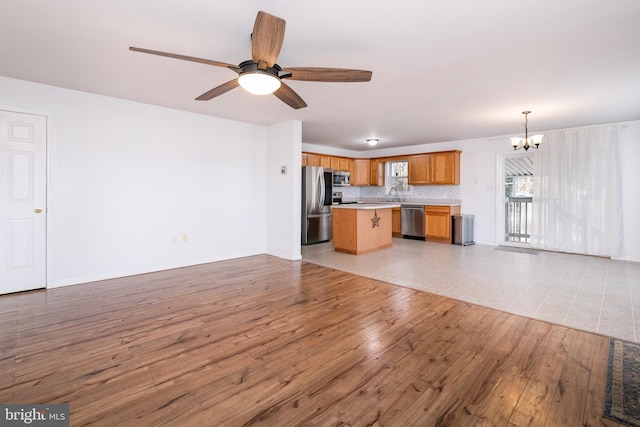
321,185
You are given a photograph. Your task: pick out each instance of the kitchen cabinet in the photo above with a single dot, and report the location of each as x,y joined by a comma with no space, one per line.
344,164
326,161
335,163
312,160
419,169
376,172
437,168
360,174
395,222
437,223
444,167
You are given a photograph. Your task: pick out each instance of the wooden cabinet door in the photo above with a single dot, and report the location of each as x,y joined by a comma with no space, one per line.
351,168
361,173
344,164
419,169
445,167
437,223
395,222
313,159
335,163
376,174
325,161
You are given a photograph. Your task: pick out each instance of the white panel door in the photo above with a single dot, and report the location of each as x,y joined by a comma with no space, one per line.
22,201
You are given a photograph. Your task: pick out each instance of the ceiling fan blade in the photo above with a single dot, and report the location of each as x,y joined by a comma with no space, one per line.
216,91
289,96
267,38
319,74
183,57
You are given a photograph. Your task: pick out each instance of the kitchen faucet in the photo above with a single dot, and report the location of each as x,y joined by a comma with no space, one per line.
390,191
397,195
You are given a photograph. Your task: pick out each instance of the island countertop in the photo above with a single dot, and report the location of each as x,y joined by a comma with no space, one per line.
367,206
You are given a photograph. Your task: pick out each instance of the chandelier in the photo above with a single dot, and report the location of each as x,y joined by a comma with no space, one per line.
526,142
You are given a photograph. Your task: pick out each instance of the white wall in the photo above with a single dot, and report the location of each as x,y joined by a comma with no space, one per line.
127,181
283,218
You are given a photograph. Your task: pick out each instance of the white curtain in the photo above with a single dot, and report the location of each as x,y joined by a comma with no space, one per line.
577,192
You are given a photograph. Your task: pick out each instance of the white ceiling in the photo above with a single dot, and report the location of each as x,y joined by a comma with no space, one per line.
442,70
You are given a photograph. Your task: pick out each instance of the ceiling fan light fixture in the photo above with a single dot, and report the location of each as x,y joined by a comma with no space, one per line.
259,82
261,75
372,141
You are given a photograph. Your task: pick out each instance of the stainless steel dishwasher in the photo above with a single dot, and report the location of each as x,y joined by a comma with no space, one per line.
412,221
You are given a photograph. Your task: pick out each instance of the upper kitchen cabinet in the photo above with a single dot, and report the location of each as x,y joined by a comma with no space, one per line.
444,167
346,164
309,159
335,163
419,169
376,172
325,161
361,172
437,168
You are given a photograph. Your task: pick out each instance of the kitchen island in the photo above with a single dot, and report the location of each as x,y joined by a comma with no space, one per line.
362,227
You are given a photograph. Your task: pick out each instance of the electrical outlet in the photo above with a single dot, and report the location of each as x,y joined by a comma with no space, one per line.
185,238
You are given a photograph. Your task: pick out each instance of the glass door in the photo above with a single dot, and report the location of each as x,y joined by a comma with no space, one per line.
516,209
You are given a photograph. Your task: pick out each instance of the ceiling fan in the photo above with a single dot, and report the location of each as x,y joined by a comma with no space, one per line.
260,74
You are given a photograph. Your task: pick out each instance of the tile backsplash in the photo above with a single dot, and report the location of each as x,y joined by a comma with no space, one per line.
415,192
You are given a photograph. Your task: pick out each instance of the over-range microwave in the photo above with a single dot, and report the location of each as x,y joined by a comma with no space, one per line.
341,179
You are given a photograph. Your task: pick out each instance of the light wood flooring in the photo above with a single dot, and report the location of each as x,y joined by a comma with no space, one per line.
265,341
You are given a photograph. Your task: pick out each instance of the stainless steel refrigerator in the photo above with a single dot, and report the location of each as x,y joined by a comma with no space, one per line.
317,196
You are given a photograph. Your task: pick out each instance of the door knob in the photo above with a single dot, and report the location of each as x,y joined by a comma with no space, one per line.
38,210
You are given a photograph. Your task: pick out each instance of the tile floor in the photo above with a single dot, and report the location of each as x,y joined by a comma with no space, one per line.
583,292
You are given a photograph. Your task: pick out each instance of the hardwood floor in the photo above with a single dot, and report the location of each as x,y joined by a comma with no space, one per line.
265,341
